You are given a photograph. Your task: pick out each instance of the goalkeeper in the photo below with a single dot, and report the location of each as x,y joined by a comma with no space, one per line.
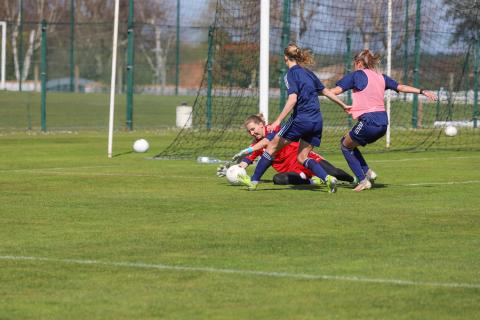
290,171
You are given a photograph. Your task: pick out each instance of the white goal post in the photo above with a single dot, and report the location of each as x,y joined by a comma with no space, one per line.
112,83
389,68
264,56
3,25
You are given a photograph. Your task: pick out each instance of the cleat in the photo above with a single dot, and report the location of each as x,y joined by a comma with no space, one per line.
245,180
331,183
365,184
316,181
371,175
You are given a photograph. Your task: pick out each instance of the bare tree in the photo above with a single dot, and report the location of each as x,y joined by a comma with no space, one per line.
466,14
155,42
33,11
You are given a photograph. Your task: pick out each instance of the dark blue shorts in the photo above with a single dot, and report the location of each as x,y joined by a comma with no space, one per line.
369,128
308,131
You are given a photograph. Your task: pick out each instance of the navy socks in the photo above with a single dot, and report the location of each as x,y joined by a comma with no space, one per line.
315,168
353,162
263,164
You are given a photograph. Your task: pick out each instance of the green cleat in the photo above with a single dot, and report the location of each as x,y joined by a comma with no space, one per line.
316,181
245,180
331,183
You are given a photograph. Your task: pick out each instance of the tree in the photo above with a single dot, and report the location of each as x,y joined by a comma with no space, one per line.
466,14
33,11
157,36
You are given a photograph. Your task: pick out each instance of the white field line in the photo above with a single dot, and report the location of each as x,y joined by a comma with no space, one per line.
52,171
296,276
422,159
439,183
31,170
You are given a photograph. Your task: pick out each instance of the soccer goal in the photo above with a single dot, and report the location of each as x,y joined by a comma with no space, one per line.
416,51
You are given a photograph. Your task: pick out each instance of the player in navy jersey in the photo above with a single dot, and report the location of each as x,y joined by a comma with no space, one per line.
368,86
305,124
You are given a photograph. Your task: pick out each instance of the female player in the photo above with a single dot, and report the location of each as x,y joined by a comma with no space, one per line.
290,170
368,107
305,124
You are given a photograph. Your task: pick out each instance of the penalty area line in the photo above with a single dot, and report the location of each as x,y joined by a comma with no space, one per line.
287,275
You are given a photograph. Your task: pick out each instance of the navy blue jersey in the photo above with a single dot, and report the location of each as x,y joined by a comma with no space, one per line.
358,80
307,86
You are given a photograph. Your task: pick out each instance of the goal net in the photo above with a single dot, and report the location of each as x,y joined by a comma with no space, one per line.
429,50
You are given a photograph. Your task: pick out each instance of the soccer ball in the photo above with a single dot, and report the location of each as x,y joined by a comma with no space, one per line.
141,145
233,172
451,131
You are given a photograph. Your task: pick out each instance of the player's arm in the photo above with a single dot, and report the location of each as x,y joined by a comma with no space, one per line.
408,89
330,95
260,145
291,101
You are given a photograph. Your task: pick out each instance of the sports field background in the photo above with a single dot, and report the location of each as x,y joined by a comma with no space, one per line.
84,236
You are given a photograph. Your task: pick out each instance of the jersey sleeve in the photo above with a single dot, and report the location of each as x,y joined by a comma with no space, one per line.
290,83
355,80
319,85
390,83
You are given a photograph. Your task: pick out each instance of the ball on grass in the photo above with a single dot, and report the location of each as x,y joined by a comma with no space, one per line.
233,172
141,145
451,131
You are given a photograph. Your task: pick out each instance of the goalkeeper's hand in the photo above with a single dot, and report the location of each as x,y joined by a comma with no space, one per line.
222,170
236,158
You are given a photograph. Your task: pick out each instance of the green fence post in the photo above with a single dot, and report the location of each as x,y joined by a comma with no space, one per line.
177,51
475,83
209,77
348,68
285,41
72,45
43,75
416,73
130,65
405,52
437,107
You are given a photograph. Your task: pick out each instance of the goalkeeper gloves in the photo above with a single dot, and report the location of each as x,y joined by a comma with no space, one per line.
236,158
222,170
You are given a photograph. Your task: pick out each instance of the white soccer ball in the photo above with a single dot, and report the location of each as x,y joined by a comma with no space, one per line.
451,131
233,172
141,145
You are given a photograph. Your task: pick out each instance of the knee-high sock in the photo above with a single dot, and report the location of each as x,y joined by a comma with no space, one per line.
315,168
361,159
353,162
263,164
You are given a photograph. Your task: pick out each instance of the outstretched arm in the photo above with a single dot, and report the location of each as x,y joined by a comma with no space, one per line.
408,89
332,96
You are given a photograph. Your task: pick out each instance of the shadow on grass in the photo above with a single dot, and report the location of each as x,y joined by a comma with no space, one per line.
122,154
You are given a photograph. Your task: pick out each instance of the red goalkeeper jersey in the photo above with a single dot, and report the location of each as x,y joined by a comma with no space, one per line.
286,159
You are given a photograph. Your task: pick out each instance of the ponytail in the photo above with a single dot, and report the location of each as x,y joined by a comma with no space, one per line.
368,59
302,56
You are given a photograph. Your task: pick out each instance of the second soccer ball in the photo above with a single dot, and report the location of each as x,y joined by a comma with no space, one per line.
451,131
141,145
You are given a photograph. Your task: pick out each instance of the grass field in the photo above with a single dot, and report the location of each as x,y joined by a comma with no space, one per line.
83,236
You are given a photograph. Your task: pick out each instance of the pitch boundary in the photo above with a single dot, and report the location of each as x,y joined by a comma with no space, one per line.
274,274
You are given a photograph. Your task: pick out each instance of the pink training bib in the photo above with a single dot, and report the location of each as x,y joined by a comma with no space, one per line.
369,99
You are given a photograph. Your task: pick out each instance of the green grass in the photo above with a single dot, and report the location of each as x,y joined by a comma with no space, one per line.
61,198
70,111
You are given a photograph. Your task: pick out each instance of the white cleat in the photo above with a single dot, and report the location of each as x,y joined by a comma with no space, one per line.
371,175
365,184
